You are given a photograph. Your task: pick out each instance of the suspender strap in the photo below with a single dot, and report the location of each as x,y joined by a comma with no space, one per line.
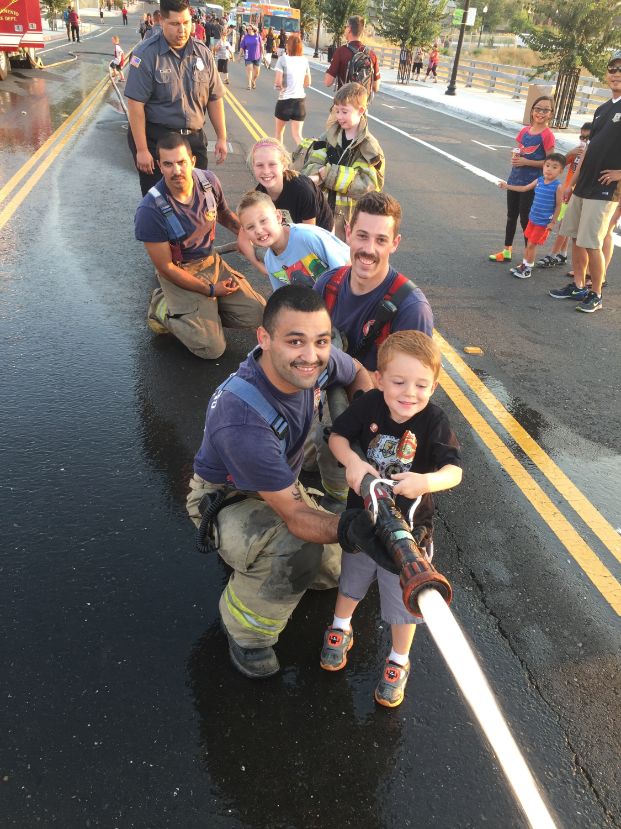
253,397
176,233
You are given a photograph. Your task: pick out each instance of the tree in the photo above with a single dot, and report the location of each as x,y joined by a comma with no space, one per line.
308,13
574,34
336,12
412,23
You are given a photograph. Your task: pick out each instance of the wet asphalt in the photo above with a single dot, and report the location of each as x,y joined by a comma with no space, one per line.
120,706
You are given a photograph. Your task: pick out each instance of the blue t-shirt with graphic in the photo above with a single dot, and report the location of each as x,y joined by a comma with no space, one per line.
310,252
544,203
241,448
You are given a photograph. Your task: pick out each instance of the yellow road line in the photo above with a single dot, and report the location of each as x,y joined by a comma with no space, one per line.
585,509
18,198
255,130
34,159
578,549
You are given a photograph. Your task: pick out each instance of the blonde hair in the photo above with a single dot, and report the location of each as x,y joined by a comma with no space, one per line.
279,147
253,198
116,39
414,344
352,93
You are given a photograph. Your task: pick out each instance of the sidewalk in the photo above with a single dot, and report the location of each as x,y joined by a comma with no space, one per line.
491,109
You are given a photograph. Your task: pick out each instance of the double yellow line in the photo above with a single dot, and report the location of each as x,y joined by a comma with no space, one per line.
46,154
572,541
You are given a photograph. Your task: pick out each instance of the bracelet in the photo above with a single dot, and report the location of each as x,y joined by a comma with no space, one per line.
212,290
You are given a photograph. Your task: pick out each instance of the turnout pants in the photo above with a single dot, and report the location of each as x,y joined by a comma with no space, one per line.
196,319
317,454
271,567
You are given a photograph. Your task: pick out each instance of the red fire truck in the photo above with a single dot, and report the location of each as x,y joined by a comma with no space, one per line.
21,32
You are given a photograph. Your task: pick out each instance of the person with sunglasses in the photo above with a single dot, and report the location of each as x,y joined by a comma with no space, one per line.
534,143
595,198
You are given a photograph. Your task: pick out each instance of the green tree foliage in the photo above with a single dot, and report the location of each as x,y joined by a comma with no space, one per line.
498,13
335,13
411,22
571,34
308,13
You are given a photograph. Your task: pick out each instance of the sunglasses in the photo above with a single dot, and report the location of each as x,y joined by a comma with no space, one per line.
613,70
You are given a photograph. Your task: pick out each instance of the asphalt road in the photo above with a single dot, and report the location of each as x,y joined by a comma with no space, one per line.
120,706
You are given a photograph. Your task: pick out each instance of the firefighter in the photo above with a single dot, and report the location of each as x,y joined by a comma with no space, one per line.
268,528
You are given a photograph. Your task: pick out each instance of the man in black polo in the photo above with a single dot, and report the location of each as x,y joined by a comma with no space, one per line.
172,86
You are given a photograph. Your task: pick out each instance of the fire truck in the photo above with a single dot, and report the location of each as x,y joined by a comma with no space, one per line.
21,32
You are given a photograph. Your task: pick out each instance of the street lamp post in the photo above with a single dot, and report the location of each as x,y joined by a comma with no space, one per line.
316,52
451,88
483,13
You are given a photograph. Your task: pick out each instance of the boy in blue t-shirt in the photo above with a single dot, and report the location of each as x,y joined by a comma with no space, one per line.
294,254
544,211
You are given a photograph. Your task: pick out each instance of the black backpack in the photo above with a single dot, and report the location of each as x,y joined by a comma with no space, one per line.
360,68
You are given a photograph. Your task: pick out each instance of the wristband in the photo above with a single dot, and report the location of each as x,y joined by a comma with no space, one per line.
212,290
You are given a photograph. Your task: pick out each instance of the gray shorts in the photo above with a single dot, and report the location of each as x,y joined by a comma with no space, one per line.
359,571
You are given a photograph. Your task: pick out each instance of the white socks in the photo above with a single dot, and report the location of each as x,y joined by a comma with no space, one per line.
399,658
342,624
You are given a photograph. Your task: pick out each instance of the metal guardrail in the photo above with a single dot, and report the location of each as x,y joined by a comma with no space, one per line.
503,78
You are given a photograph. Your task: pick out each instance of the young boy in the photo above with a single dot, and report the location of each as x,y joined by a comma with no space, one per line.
224,53
347,161
544,211
561,243
294,253
408,439
117,62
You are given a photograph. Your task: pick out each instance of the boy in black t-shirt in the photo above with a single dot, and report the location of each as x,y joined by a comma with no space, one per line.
408,439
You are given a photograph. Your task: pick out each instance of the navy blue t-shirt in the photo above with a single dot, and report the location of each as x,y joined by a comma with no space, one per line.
240,447
199,224
353,314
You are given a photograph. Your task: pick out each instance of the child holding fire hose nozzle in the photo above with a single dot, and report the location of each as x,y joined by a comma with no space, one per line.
407,439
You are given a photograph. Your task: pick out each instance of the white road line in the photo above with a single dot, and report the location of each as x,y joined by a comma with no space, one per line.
481,144
466,166
68,43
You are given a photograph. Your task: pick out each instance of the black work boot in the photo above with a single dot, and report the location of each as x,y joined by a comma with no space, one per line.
255,663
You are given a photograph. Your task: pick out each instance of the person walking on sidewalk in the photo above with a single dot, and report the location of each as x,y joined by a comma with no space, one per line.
595,198
534,143
432,64
417,63
74,20
124,15
67,22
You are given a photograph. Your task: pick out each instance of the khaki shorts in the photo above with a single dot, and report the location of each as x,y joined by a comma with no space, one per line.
587,220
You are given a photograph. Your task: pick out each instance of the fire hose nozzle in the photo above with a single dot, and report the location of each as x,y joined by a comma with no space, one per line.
418,575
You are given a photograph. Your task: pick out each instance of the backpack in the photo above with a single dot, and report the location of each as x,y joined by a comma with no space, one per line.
383,314
360,68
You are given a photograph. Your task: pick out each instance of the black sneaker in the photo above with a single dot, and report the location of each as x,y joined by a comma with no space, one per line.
255,663
569,292
559,259
590,304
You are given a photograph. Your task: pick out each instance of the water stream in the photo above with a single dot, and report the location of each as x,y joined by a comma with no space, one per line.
465,668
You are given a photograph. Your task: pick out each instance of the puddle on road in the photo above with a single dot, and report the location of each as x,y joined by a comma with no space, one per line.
590,466
34,108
